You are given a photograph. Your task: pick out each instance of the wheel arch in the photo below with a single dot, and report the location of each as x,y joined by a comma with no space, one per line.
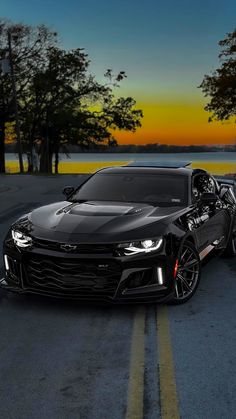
190,239
186,238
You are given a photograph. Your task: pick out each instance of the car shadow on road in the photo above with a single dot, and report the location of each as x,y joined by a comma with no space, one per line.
57,305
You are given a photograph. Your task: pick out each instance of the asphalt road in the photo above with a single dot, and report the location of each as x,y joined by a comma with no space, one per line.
62,360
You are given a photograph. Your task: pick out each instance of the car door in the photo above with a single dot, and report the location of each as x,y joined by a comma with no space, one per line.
216,228
214,221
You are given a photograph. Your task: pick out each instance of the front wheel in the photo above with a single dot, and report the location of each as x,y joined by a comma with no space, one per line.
188,274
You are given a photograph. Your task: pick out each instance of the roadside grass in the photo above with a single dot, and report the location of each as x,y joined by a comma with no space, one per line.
216,168
70,167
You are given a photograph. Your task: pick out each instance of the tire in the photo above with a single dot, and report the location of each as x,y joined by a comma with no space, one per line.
188,274
230,250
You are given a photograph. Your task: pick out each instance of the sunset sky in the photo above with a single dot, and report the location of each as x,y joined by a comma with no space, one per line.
164,46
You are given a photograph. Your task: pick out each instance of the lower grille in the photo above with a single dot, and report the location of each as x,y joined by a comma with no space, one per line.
69,276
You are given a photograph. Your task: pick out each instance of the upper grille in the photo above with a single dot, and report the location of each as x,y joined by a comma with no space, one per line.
72,276
80,248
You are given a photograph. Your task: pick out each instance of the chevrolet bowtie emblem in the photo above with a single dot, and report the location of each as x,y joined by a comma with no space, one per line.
68,247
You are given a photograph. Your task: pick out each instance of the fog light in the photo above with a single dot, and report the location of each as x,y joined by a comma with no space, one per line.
6,263
160,276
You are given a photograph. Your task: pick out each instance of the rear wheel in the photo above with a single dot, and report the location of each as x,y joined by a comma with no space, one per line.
188,274
230,250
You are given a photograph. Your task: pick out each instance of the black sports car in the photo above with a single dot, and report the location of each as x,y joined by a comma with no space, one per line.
128,234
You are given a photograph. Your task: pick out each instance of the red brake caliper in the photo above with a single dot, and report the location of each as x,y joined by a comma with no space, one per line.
176,268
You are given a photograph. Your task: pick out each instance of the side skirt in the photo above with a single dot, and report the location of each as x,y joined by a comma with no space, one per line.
210,247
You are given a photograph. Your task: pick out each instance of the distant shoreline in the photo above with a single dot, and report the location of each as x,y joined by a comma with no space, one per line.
144,149
148,152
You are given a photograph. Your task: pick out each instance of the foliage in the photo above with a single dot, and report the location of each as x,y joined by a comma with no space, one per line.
220,86
59,101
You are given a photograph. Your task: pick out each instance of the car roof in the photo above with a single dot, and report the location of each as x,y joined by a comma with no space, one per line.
147,170
159,163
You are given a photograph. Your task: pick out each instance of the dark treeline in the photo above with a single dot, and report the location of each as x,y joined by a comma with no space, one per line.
157,148
142,148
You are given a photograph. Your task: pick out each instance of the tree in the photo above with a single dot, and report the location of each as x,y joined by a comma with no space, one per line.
25,56
59,101
59,106
220,86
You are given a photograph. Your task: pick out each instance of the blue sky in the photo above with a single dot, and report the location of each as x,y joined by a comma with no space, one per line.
165,47
151,40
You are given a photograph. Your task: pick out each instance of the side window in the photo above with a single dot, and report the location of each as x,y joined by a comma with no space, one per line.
215,185
202,182
195,192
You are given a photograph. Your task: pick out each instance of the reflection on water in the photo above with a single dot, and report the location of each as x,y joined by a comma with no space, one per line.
218,163
211,156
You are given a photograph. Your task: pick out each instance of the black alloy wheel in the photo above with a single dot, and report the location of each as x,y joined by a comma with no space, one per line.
188,274
230,250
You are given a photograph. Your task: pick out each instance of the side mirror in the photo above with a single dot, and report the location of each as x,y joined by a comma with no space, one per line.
227,195
68,190
208,198
223,190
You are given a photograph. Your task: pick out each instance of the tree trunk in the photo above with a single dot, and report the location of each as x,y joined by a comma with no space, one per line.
57,147
30,165
31,145
45,157
30,156
2,147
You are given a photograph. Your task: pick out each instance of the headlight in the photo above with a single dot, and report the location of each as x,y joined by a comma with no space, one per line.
21,239
144,246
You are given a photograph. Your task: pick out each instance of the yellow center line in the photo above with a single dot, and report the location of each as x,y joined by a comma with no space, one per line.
168,393
136,372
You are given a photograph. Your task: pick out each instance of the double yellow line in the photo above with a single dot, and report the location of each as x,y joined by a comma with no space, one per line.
168,395
136,373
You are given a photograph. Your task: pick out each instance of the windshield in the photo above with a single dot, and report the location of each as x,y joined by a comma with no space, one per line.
159,189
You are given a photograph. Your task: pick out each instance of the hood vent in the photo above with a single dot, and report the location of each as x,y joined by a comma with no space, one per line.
99,209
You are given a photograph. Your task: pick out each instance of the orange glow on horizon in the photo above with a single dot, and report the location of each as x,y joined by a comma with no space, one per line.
182,124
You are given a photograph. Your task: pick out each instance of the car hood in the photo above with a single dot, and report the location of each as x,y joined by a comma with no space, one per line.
98,219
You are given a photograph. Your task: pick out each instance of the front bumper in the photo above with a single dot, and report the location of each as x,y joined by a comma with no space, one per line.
96,277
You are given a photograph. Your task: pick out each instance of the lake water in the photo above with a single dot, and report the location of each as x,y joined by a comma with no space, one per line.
218,156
